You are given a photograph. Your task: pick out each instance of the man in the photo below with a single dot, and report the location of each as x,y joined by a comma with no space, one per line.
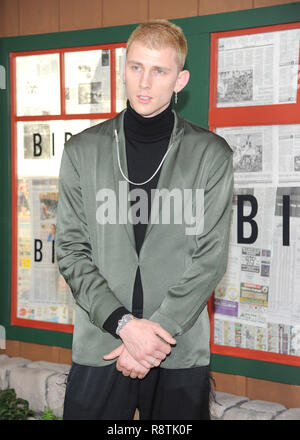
141,334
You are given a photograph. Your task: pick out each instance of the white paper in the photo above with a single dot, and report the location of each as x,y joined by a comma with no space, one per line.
120,86
87,81
258,69
40,145
264,154
38,85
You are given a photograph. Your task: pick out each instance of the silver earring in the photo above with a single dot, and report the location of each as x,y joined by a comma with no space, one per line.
176,98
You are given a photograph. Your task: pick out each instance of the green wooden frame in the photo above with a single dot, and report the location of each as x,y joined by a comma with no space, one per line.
193,105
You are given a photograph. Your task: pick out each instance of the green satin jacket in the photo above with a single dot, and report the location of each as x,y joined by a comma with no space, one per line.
178,271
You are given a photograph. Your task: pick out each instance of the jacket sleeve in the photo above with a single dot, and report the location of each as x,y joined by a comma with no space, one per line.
111,323
185,301
73,248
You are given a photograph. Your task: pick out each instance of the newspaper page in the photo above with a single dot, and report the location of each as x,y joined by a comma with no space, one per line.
42,292
258,69
24,237
284,306
254,158
243,291
38,85
289,153
40,144
265,154
257,302
120,85
87,79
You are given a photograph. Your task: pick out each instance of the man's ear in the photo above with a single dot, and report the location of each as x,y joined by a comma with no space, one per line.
182,80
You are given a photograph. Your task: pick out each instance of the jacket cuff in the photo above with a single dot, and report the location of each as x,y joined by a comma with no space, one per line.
111,323
167,323
100,310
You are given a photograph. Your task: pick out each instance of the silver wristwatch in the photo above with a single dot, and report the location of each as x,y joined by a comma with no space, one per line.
123,321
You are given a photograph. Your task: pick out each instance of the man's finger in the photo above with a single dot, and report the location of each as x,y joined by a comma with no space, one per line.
160,331
159,355
114,353
154,362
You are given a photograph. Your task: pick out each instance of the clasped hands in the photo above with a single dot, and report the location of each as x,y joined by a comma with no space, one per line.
140,346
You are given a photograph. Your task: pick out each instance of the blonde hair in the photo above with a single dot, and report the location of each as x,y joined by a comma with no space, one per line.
156,34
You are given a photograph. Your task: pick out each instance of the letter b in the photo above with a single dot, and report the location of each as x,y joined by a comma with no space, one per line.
246,219
37,147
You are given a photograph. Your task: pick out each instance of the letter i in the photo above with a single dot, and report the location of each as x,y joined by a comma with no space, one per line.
286,220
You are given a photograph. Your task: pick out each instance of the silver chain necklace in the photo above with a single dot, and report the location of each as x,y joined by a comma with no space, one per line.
146,181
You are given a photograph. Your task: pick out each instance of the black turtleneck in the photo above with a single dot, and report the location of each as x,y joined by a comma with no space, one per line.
147,140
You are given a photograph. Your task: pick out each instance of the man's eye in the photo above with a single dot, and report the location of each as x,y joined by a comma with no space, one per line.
159,71
135,67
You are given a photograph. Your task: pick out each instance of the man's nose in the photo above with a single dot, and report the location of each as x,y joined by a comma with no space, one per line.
145,80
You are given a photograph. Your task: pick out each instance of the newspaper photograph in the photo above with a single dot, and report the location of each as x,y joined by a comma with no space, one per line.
253,158
265,154
38,85
87,79
258,69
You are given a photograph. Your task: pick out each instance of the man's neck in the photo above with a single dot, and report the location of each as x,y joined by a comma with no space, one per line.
151,129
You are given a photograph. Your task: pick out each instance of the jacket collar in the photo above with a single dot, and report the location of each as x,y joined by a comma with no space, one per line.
170,171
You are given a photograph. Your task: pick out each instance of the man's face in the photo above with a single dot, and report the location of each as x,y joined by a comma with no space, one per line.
151,77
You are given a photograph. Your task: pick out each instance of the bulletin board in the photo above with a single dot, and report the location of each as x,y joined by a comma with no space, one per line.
197,103
255,106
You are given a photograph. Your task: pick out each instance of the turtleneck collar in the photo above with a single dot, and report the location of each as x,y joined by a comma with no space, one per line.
148,130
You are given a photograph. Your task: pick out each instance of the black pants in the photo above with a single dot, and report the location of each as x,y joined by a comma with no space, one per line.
103,393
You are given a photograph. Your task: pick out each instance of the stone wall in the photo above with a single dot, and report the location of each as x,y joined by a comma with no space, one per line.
43,384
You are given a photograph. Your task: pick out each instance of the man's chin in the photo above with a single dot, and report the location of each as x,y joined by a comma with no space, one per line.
145,110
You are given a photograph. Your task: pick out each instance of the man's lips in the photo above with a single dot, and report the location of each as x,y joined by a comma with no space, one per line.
144,98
